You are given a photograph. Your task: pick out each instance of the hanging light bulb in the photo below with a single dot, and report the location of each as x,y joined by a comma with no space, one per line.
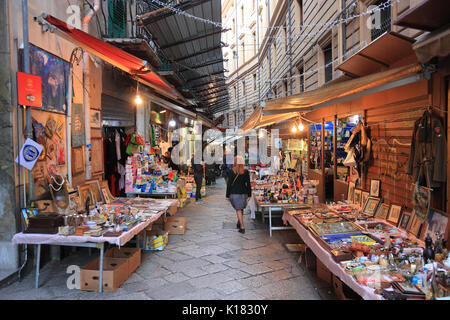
138,99
294,128
172,123
301,127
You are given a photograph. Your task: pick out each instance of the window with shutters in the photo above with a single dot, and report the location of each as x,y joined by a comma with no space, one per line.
117,19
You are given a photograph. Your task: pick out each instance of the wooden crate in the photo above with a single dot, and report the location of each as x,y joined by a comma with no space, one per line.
342,291
115,272
322,272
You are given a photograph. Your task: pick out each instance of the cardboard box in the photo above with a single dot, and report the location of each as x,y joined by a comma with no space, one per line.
157,240
132,255
322,272
175,225
115,272
173,209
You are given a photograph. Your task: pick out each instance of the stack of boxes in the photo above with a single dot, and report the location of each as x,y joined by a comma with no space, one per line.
309,191
130,173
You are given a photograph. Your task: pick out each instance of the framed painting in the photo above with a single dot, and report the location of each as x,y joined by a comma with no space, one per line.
405,217
77,160
382,211
436,223
350,192
54,73
414,225
357,197
371,206
374,188
74,201
78,139
94,185
85,193
96,120
394,213
106,192
364,197
97,162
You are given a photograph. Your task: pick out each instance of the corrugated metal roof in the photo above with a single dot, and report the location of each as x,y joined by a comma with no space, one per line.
192,48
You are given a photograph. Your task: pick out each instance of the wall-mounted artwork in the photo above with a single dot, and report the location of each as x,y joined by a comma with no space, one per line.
97,162
54,73
77,125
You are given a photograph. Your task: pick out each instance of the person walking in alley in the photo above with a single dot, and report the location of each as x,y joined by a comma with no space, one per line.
198,178
239,190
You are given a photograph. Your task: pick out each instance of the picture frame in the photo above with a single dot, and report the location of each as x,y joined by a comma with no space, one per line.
405,217
350,191
106,192
94,185
96,119
414,226
437,221
357,197
371,206
382,211
77,160
27,213
85,192
97,163
364,197
394,213
374,188
74,199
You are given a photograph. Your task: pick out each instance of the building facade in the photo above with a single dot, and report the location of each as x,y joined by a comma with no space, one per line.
280,48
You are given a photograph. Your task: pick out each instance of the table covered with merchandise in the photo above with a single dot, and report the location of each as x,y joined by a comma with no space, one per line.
114,223
370,255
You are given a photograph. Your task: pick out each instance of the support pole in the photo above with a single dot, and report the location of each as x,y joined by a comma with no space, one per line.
26,65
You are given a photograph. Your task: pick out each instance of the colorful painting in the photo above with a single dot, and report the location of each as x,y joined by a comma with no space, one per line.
77,125
54,73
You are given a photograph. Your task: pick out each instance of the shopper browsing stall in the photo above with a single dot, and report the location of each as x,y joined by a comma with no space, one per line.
239,190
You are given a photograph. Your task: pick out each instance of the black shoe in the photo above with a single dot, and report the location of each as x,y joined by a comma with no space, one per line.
242,230
238,225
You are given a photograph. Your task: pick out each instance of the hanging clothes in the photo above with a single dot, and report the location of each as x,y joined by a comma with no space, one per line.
428,158
117,141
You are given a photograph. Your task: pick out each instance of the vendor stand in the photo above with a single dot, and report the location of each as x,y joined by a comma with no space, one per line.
372,256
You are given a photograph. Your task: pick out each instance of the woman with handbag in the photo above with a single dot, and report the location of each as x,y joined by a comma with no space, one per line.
239,190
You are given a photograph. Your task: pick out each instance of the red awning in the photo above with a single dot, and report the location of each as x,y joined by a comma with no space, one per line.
118,58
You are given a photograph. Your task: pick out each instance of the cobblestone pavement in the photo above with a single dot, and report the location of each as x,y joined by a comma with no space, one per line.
211,261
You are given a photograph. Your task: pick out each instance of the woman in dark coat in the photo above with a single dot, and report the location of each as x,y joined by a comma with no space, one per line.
239,190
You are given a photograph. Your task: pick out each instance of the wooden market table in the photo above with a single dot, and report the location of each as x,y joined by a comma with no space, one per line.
325,257
277,207
82,241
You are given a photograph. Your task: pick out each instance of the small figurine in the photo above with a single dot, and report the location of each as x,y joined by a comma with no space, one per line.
428,253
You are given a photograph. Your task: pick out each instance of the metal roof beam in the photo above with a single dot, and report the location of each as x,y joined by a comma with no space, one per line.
214,82
199,53
208,93
208,63
216,96
193,38
146,19
207,75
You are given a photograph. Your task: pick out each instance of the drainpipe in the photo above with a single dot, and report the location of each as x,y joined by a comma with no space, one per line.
26,69
86,83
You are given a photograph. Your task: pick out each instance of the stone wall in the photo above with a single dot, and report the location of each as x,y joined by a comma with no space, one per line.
8,252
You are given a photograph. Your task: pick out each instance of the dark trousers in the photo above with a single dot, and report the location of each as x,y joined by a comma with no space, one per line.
198,185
